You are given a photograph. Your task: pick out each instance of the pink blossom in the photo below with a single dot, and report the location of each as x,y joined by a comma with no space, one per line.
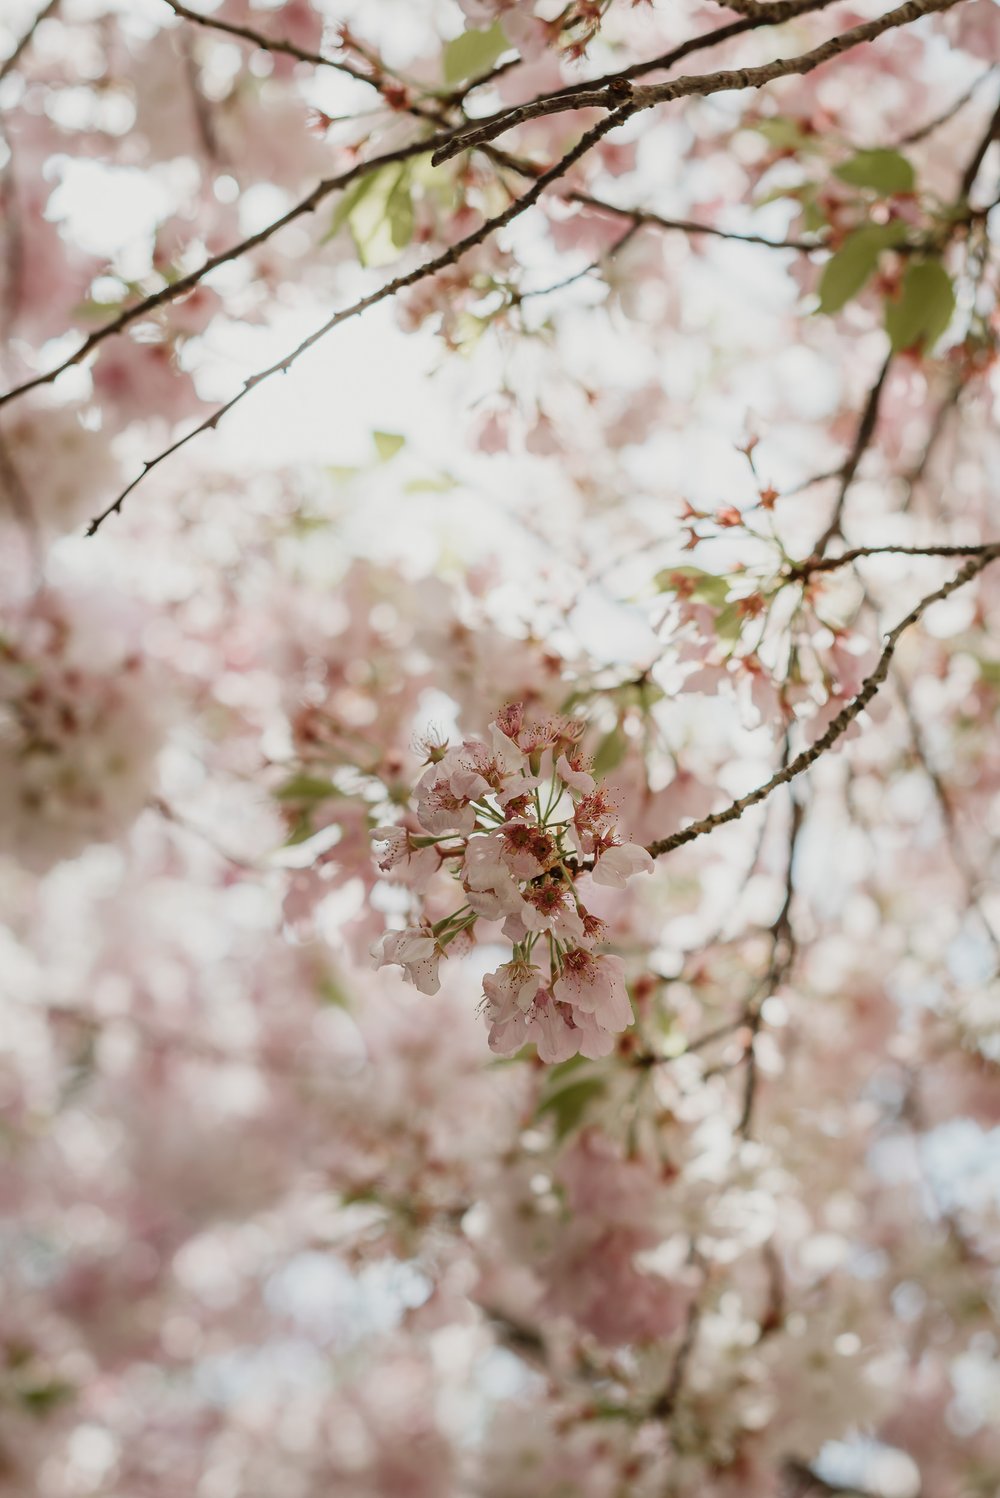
416,952
595,985
616,865
574,775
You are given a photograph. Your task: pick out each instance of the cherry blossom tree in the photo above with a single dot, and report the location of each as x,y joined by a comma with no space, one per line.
499,770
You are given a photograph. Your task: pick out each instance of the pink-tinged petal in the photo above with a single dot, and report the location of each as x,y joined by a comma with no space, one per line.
550,1028
415,952
511,990
616,865
424,974
595,986
511,759
595,1043
507,1037
579,780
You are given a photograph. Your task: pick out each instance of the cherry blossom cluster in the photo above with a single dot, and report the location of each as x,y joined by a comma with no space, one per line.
81,724
520,822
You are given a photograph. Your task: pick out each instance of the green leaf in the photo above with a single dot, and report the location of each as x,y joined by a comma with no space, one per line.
782,133
374,223
707,587
729,622
610,751
302,831
568,1104
41,1398
399,211
342,473
350,200
847,271
302,787
331,992
437,483
378,210
885,172
387,444
472,53
924,310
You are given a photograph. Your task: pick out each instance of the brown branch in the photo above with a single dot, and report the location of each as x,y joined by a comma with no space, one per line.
580,275
666,1402
12,59
187,283
915,474
782,958
376,78
316,196
862,441
838,725
922,131
802,570
448,258
971,172
949,819
620,94
204,121
642,217
269,43
666,60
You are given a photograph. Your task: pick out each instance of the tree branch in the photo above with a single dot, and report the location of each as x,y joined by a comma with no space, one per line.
620,95
268,43
187,283
862,441
782,957
979,154
839,724
449,257
949,820
312,201
816,563
642,217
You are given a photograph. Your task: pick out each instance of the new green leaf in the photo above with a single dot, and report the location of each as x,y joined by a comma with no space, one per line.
924,309
472,53
847,271
884,172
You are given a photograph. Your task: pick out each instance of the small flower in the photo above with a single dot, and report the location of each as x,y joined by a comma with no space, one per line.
402,861
595,986
489,885
549,906
416,952
552,1029
570,770
511,989
527,851
616,865
439,809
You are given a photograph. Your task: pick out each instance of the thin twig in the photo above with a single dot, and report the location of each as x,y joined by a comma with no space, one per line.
948,818
621,96
782,958
324,189
269,43
971,172
184,284
429,268
838,725
812,564
580,275
922,131
862,441
642,217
